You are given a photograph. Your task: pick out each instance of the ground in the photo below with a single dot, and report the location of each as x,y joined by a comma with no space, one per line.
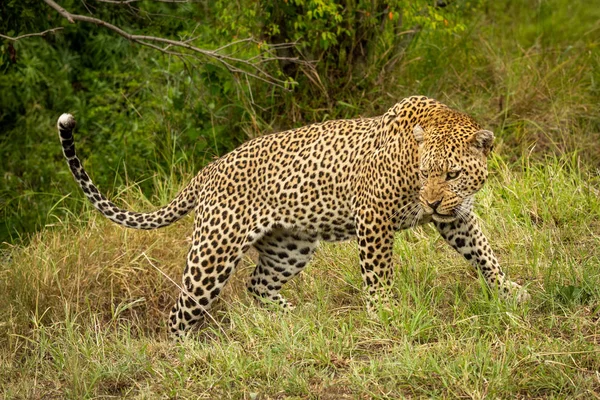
87,301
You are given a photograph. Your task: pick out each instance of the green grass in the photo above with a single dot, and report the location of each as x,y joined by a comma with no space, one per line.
84,320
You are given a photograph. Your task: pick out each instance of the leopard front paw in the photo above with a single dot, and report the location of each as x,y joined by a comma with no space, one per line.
512,290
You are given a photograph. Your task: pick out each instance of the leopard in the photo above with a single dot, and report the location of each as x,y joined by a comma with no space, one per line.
421,162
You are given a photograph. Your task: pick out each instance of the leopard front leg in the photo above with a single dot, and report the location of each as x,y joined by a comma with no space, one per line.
465,236
375,237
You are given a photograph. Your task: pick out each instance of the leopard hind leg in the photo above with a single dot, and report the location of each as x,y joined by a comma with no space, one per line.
282,255
211,260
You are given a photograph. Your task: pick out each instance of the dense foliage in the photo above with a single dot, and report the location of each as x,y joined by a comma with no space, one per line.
142,111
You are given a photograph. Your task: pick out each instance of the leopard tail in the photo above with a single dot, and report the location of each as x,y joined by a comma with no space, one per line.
172,212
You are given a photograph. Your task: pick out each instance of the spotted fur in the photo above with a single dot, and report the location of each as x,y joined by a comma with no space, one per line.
418,163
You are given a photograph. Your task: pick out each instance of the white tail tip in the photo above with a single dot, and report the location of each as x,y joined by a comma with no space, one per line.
66,121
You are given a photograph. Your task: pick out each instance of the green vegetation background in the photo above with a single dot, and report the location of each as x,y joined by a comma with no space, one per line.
527,70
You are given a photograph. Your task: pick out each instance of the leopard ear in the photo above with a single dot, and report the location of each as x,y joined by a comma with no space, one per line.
419,133
483,141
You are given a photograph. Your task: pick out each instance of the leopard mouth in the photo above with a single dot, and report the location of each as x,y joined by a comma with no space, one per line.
437,216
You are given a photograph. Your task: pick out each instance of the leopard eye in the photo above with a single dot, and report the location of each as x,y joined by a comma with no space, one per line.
452,175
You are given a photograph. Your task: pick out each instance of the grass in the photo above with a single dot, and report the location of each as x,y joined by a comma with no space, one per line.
83,320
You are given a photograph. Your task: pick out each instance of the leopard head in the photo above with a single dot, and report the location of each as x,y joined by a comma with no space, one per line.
452,167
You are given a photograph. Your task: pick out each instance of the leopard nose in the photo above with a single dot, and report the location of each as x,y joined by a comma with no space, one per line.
434,205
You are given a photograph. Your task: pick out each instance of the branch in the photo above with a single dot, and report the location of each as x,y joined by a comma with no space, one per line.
251,67
14,39
159,1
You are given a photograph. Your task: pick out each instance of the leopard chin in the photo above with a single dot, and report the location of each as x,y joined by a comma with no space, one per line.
443,217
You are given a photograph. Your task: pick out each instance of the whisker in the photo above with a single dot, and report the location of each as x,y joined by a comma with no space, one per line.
415,209
464,210
460,213
394,215
412,206
417,218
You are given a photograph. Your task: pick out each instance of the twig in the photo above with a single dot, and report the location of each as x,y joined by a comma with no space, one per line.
250,67
14,39
158,1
